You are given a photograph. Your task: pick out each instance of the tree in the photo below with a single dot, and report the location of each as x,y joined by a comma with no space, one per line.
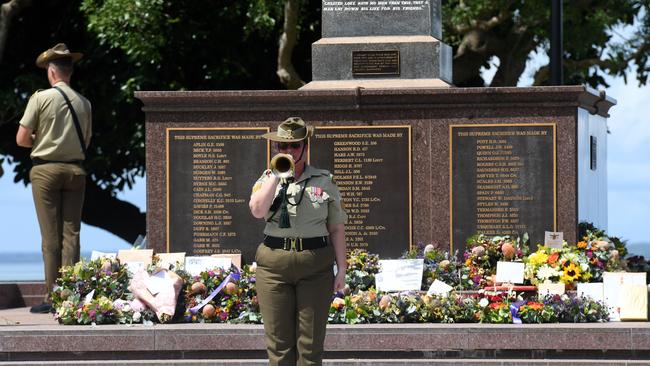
258,44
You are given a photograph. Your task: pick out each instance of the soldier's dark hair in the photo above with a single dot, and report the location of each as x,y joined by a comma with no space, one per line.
63,65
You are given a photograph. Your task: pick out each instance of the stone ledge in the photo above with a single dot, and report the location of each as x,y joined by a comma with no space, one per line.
420,338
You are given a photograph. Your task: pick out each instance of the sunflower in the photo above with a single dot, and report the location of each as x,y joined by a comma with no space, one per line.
571,273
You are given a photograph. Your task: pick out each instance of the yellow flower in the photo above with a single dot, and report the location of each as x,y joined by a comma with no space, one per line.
582,244
538,258
571,273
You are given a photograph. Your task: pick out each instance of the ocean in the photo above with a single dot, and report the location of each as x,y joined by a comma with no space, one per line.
23,266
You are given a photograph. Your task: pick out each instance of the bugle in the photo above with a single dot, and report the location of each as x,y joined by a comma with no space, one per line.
282,165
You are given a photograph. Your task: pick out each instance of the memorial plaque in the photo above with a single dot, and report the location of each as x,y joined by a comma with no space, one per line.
375,63
210,172
372,168
503,181
382,18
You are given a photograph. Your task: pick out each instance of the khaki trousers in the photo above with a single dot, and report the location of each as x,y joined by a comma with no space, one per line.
294,291
58,190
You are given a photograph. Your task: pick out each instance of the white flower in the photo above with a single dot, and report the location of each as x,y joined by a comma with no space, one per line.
546,272
137,316
119,304
484,302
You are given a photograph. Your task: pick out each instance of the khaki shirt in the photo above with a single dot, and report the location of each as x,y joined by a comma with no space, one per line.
48,115
320,206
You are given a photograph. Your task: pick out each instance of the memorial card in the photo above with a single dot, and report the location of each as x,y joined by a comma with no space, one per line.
510,272
234,258
157,282
439,288
144,256
400,275
544,289
592,290
634,302
612,289
169,260
553,239
134,266
95,254
196,265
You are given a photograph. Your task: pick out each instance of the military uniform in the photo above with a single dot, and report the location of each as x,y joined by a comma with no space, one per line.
58,179
294,286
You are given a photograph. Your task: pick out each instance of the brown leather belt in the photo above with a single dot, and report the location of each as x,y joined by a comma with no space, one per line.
297,244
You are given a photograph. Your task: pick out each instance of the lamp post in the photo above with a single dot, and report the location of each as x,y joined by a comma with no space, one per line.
557,51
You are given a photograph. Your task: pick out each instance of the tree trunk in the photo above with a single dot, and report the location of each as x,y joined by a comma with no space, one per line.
286,72
121,218
513,59
7,12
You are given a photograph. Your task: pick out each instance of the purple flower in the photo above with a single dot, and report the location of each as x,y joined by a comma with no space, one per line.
476,279
92,313
590,254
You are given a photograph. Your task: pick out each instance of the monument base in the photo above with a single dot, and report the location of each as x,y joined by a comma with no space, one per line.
376,84
405,57
363,344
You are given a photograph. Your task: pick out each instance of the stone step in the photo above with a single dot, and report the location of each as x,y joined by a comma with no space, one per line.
343,362
19,294
45,342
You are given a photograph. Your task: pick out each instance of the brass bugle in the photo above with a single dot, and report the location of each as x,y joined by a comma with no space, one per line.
282,165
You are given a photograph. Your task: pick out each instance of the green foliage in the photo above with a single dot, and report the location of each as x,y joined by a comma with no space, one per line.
511,30
135,27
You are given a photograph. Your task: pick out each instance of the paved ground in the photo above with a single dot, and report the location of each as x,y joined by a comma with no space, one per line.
22,316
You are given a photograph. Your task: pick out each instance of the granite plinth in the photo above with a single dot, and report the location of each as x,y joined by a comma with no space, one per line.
429,112
420,57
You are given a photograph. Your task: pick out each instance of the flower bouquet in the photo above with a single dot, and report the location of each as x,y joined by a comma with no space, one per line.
213,296
567,265
482,255
361,307
250,307
361,271
438,265
96,292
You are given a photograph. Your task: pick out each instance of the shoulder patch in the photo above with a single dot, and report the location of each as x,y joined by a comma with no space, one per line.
257,187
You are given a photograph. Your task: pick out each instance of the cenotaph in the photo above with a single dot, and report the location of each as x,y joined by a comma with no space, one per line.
417,161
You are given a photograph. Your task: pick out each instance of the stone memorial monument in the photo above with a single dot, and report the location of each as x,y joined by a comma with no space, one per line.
382,43
417,161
